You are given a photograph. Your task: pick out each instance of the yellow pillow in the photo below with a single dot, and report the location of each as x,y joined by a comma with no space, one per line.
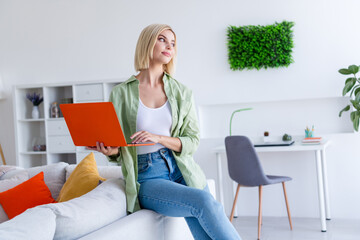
83,179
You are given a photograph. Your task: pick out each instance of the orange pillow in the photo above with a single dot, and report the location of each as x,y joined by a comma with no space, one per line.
28,194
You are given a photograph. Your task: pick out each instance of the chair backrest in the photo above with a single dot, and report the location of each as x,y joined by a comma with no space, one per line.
243,163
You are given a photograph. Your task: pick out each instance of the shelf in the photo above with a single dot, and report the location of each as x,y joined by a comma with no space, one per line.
31,120
72,152
53,132
55,119
33,153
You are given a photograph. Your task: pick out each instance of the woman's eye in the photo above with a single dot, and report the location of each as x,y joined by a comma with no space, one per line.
161,39
173,44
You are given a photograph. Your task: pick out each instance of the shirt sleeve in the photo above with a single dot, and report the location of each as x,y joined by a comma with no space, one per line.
190,132
116,157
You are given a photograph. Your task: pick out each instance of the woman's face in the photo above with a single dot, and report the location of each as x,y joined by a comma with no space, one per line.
164,48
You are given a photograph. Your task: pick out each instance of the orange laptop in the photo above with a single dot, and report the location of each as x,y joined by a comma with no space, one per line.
89,123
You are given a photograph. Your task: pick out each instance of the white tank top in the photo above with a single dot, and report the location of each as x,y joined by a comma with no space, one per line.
154,120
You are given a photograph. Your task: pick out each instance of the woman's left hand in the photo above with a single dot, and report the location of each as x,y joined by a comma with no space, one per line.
144,136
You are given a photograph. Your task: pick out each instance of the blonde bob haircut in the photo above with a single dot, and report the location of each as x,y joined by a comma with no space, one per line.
145,47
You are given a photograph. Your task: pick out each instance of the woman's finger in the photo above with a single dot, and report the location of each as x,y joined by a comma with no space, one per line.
98,147
136,134
103,150
138,137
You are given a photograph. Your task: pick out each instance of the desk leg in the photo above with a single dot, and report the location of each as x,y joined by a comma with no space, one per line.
320,190
220,179
326,188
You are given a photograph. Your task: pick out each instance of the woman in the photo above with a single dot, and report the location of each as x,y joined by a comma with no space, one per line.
154,107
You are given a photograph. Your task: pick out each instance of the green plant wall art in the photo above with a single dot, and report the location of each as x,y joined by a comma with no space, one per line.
256,47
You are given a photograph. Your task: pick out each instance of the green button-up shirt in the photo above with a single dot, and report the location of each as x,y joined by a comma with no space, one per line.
125,98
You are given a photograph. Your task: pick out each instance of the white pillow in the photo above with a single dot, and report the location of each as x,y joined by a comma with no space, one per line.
7,184
33,224
93,210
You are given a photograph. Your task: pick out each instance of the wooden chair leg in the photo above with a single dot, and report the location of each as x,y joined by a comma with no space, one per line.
287,205
260,211
234,204
2,155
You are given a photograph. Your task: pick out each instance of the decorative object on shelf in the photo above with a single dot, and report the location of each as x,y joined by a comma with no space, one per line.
38,144
2,94
66,100
286,137
232,115
266,136
54,110
309,132
256,47
352,84
36,99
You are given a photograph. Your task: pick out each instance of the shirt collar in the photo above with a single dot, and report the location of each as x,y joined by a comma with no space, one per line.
133,78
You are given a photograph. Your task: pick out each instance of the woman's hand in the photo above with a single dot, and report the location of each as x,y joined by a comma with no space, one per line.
144,136
108,151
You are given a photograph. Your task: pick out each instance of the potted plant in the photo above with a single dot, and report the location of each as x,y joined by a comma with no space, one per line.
352,85
36,99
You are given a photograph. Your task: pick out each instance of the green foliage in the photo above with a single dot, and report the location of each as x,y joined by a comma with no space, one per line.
260,46
352,84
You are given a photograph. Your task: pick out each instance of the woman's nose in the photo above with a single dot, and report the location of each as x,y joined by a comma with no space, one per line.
168,45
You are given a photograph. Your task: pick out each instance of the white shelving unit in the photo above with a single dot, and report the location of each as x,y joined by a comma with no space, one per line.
53,132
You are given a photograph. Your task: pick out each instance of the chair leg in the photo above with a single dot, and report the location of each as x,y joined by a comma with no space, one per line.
234,204
2,155
260,211
287,205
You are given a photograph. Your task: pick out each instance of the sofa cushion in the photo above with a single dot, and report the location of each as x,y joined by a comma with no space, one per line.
28,194
4,169
82,180
54,176
7,184
143,224
100,207
104,171
33,224
12,173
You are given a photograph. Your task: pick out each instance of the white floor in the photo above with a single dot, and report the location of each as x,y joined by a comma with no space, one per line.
277,228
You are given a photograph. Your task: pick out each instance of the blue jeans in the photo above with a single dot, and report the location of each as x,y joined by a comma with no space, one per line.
163,190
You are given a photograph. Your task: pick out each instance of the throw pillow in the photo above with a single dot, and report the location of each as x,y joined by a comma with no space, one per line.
26,195
6,184
34,224
54,176
90,212
83,179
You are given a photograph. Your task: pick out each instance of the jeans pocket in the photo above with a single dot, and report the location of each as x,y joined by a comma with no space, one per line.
143,165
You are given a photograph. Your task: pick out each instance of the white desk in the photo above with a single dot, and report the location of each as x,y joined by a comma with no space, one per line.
320,158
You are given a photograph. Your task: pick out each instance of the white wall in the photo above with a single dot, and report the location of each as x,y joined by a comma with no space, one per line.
45,41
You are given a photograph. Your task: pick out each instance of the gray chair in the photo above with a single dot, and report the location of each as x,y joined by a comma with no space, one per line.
245,169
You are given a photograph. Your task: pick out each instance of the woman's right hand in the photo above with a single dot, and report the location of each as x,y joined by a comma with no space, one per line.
108,151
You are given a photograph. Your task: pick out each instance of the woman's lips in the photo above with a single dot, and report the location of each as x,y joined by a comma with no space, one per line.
166,54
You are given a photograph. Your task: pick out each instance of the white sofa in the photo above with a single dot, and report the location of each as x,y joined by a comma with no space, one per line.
99,214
